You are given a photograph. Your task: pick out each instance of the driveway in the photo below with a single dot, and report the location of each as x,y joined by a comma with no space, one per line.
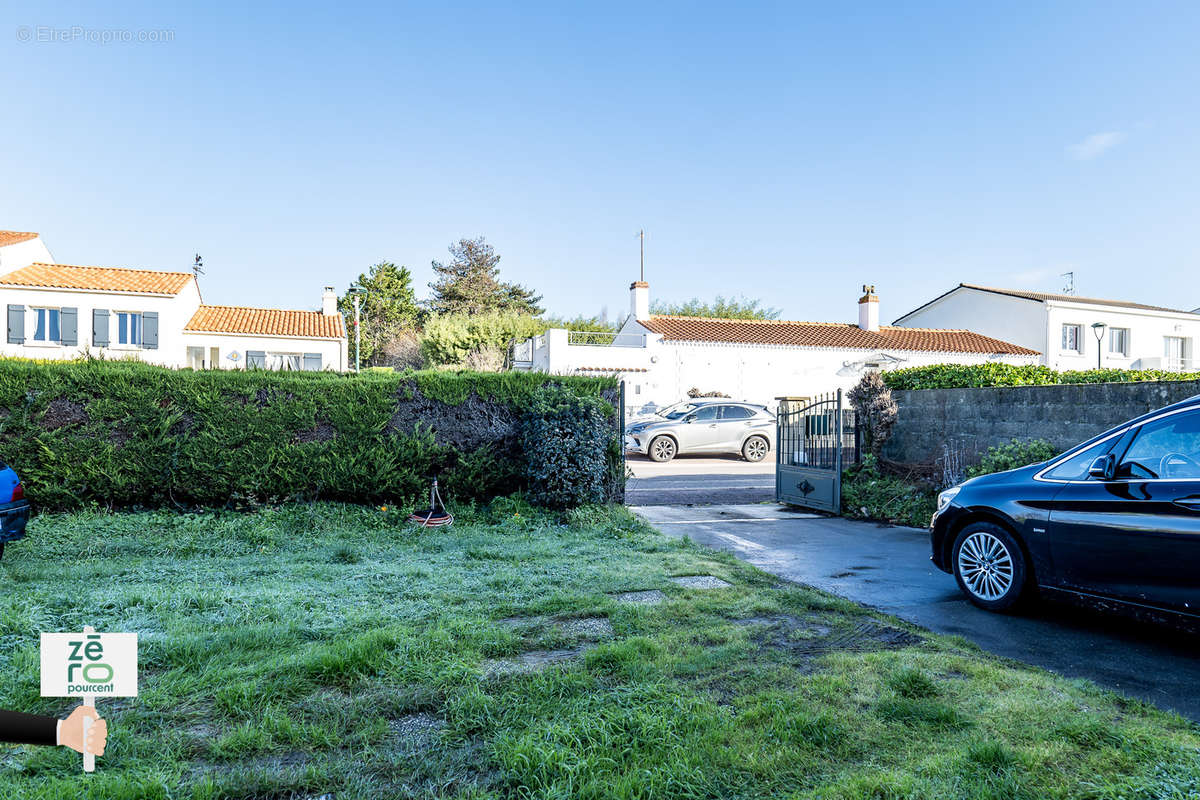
699,479
888,568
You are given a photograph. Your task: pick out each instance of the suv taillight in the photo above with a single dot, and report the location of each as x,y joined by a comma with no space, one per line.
18,493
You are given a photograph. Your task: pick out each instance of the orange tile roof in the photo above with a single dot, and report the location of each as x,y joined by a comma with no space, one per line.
266,322
102,279
828,334
15,237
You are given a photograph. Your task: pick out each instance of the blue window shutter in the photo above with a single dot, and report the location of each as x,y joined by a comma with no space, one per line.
256,359
16,324
68,326
312,362
99,327
150,330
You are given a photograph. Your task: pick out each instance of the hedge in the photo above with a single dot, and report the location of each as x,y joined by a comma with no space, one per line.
124,434
960,376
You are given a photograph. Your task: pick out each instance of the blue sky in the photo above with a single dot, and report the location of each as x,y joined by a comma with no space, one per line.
788,152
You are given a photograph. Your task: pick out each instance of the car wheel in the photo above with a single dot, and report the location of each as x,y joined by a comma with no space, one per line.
989,566
662,448
755,448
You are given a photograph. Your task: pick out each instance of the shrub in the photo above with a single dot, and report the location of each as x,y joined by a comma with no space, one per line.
876,410
1014,455
964,376
564,438
870,493
124,434
451,339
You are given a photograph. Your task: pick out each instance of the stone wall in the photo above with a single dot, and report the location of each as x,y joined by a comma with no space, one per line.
970,421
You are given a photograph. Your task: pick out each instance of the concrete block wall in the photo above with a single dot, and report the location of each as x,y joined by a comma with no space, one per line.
970,421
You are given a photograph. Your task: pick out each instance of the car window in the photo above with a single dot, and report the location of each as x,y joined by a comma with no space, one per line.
736,412
1076,467
1166,448
706,414
678,411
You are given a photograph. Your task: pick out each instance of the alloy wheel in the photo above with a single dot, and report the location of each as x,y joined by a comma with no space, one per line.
664,448
985,565
756,449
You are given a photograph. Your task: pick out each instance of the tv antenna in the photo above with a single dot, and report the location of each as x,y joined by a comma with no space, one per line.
1070,287
198,266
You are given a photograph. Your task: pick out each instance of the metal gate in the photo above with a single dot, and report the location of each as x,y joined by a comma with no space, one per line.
816,440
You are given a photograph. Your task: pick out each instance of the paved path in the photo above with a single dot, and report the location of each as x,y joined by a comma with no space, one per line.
888,568
699,479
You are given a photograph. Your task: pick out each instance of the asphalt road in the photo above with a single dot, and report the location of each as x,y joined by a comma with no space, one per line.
888,568
699,479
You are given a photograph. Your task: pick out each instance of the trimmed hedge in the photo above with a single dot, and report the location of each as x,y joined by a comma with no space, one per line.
960,376
123,434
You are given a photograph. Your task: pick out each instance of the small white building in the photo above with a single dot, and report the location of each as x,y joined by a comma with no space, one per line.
60,311
661,357
20,249
1071,332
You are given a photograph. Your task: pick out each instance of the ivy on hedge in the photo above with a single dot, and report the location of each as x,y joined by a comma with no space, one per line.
963,376
123,434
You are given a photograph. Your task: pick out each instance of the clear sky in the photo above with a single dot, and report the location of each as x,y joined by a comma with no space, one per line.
789,152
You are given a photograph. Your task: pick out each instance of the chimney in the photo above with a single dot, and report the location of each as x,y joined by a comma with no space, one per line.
329,302
868,309
639,300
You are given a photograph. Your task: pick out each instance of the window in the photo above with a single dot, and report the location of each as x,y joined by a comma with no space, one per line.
129,328
1166,448
256,359
1072,339
46,325
1076,467
735,412
1177,352
1118,342
705,414
284,361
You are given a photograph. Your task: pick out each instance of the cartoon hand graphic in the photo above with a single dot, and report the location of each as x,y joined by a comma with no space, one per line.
70,732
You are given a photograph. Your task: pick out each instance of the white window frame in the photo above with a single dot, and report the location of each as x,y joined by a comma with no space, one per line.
47,342
1112,350
1078,328
285,362
1184,361
115,341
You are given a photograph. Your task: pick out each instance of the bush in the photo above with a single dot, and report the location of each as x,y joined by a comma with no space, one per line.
870,493
964,376
1014,455
124,434
452,339
876,411
566,441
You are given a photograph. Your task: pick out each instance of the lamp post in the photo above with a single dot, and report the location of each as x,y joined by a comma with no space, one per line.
357,293
1098,329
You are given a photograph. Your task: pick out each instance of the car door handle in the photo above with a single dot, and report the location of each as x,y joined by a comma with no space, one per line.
1188,502
713,425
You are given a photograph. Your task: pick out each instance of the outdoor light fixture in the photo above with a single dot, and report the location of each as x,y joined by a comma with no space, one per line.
1098,329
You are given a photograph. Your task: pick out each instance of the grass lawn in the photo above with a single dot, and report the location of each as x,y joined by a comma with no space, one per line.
334,649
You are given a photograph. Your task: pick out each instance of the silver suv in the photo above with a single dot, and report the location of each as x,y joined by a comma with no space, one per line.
704,426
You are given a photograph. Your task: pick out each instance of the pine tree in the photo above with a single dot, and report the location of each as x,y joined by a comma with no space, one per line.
470,283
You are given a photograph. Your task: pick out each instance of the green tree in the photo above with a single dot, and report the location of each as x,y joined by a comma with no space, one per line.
389,311
470,284
720,308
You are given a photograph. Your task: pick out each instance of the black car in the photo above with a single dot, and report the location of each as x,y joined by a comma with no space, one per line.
1114,522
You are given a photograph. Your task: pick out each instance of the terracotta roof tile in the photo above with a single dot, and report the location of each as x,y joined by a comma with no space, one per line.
101,279
828,334
15,237
266,322
1068,298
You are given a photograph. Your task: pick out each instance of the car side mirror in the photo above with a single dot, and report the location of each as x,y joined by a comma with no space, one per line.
1104,467
690,419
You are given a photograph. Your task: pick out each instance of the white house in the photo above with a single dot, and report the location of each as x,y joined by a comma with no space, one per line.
661,357
1071,332
20,249
59,311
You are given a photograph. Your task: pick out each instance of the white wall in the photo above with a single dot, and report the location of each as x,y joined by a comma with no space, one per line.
1009,319
22,254
333,351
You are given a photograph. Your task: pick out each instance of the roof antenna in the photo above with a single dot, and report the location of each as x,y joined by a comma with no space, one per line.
642,236
198,266
1070,287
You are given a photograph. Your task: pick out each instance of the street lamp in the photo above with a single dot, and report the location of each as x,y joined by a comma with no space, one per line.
1098,329
357,292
